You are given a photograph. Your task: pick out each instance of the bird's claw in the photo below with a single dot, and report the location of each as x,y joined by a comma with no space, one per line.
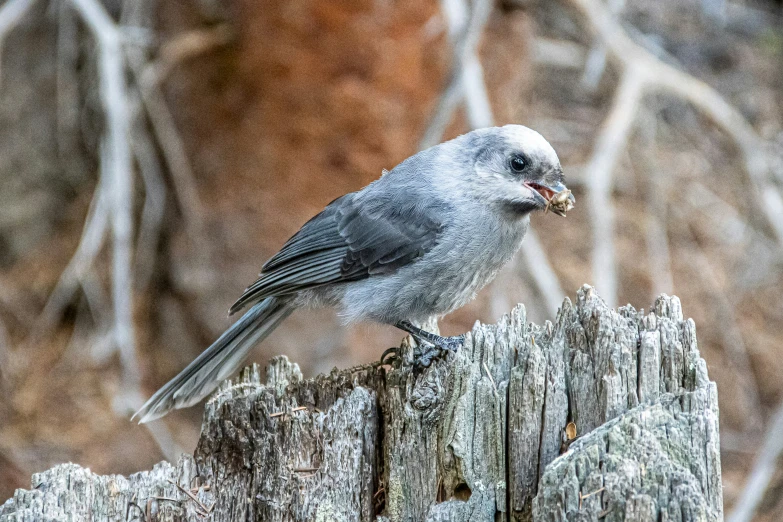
427,352
393,355
453,343
423,357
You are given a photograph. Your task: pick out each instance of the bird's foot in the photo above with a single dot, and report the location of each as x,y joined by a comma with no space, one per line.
452,344
423,356
425,352
432,347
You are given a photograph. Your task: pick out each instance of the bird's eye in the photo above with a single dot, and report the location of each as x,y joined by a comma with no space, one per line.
517,163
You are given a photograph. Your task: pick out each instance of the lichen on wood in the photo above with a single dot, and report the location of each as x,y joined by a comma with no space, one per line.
479,435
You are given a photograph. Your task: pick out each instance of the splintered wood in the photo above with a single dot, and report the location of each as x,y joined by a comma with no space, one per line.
602,415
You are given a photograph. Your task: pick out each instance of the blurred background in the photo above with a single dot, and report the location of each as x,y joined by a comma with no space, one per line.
153,154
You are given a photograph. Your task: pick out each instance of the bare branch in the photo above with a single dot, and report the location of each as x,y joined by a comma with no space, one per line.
466,73
544,276
558,53
732,340
609,145
150,75
154,197
661,76
97,300
118,174
91,242
595,65
183,47
761,474
643,71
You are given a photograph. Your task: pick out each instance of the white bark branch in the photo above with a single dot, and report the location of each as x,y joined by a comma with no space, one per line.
664,77
117,174
154,197
610,143
643,72
90,244
467,75
763,470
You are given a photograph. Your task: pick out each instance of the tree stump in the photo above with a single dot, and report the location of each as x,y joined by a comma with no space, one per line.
603,415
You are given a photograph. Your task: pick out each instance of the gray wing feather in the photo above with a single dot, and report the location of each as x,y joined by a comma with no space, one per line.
348,241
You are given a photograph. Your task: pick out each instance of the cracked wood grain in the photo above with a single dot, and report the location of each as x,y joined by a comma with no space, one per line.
478,436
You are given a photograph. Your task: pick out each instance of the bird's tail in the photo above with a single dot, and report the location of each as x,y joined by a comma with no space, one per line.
218,361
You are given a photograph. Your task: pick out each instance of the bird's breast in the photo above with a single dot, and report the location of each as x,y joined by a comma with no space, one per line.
476,256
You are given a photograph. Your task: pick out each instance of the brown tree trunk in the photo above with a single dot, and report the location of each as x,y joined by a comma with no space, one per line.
483,435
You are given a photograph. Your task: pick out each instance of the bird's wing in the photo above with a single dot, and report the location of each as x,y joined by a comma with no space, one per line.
349,240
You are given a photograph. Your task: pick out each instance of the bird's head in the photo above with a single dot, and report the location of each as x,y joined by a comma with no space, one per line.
516,170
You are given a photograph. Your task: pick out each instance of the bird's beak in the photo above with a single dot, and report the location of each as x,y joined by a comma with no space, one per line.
556,198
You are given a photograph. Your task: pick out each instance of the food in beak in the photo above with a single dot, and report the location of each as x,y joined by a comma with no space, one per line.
558,202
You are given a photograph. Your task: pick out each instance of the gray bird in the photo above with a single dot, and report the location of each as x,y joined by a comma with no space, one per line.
418,242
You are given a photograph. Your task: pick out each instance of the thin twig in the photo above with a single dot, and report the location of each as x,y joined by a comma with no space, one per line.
494,386
591,493
154,197
732,339
466,73
169,499
763,469
193,497
609,145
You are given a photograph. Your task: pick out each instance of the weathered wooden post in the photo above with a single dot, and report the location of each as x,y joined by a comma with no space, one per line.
485,435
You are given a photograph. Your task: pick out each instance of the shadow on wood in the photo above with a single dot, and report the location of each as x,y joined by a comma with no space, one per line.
483,435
